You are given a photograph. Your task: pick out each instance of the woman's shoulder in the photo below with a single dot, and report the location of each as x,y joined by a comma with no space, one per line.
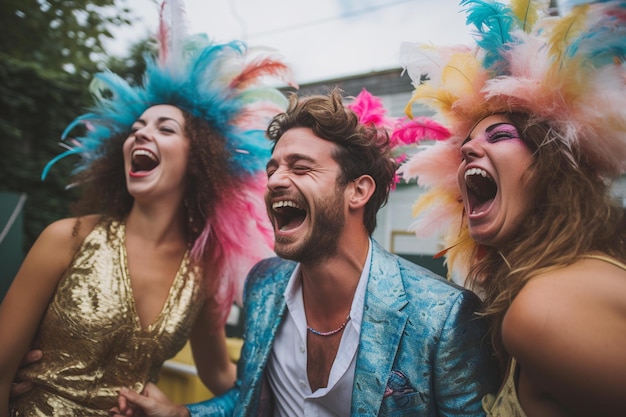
590,279
567,330
70,230
577,296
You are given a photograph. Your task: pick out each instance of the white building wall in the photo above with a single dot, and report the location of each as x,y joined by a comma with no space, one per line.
394,222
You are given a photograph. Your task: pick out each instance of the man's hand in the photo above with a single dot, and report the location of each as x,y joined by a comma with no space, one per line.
150,403
21,386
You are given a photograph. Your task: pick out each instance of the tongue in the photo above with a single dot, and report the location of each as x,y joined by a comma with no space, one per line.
143,163
481,206
293,223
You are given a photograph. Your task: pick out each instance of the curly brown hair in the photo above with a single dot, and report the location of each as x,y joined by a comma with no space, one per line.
104,182
572,213
362,149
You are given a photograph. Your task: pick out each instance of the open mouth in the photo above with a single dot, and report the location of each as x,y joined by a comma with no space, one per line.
288,214
481,189
142,160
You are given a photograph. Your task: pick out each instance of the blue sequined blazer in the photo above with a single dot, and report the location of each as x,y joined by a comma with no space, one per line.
422,350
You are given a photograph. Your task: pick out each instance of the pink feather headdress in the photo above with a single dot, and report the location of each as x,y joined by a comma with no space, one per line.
568,71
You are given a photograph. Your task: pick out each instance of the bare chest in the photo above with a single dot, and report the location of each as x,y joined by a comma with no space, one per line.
151,275
321,353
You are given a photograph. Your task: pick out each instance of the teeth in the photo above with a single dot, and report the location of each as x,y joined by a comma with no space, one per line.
144,152
285,203
477,171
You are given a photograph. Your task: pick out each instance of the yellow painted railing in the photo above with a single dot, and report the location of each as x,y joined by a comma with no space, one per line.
179,379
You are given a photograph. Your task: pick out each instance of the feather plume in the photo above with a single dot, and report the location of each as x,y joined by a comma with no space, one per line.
460,75
418,129
239,235
419,59
493,22
604,40
434,165
261,67
526,13
370,110
441,99
172,30
163,36
434,211
565,30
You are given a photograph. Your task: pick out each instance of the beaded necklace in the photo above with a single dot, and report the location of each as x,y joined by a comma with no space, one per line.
332,332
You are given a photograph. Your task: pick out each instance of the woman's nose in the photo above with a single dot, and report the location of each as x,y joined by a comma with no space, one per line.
143,133
471,149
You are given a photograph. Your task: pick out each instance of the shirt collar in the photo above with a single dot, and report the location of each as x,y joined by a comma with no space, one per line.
293,293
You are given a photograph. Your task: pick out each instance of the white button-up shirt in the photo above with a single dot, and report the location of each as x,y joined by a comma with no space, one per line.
288,360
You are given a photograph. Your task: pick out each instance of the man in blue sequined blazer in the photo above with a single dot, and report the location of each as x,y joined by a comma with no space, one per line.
338,326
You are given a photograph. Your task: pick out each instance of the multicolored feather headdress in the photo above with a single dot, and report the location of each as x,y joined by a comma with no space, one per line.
224,84
567,71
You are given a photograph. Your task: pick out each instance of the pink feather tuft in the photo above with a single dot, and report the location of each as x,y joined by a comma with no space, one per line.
370,110
434,166
418,129
237,237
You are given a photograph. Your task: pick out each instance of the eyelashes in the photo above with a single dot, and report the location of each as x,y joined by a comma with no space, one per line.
501,131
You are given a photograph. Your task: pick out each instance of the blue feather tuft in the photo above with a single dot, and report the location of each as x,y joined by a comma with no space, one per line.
196,79
493,22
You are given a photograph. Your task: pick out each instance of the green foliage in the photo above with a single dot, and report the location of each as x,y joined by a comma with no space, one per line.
62,35
35,106
49,50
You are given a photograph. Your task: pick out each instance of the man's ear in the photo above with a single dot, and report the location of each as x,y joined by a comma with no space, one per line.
361,190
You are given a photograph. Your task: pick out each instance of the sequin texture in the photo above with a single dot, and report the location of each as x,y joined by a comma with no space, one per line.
92,339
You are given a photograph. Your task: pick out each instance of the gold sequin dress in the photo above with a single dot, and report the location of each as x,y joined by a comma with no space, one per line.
91,336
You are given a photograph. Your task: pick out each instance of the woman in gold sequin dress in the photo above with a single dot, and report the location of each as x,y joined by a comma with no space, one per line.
175,171
522,190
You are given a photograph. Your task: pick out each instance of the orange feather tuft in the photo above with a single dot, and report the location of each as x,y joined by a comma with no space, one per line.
261,67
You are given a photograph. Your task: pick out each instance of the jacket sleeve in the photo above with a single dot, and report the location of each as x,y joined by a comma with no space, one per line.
222,406
226,404
465,367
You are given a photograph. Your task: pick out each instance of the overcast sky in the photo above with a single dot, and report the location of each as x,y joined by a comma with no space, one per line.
321,39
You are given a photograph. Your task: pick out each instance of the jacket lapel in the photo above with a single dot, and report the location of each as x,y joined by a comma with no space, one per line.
267,303
381,330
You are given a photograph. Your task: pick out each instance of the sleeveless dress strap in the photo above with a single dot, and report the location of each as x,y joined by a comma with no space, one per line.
606,259
506,403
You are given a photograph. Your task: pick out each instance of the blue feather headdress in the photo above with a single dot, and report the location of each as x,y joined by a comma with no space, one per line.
226,85
219,83
568,71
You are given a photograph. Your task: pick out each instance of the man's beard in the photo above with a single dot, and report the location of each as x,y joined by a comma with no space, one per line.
327,225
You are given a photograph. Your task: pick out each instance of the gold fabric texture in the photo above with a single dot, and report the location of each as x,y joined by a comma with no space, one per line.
91,336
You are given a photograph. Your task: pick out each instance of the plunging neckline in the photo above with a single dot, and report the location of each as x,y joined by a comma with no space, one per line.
127,283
